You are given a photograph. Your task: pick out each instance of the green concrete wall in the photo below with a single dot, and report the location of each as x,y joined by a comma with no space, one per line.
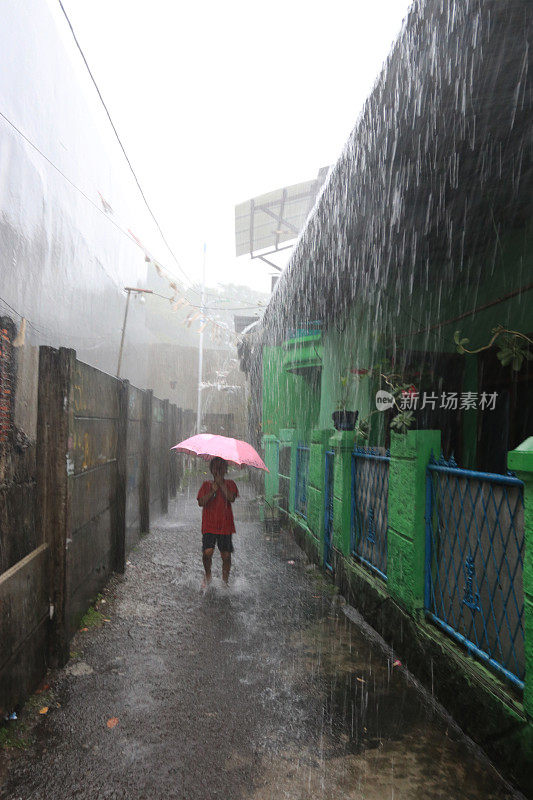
520,461
271,458
434,303
298,408
406,540
347,347
318,444
289,400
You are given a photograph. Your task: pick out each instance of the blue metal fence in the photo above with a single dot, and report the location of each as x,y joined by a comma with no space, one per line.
370,494
474,558
302,472
328,507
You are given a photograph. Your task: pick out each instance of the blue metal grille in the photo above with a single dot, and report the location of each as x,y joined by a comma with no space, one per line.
370,494
328,507
474,558
302,472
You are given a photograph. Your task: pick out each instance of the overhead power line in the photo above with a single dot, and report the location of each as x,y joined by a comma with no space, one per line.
187,276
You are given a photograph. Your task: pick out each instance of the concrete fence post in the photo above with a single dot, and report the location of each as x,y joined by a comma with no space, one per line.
119,560
521,462
164,459
406,535
315,484
271,453
144,478
342,443
54,464
291,439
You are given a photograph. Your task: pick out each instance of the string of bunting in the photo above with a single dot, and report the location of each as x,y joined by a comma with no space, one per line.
179,301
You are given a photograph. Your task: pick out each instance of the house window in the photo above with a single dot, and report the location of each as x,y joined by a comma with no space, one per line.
6,379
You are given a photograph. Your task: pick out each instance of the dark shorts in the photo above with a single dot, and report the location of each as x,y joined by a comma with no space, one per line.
222,540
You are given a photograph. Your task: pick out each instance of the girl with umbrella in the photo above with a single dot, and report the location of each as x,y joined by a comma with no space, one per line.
215,498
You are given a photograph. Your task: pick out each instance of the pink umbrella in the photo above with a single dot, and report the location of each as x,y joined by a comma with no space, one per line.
209,445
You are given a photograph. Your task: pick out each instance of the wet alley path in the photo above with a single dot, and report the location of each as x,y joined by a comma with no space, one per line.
265,690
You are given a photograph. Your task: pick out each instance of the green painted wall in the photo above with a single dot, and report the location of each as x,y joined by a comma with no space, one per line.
299,408
289,400
521,461
350,345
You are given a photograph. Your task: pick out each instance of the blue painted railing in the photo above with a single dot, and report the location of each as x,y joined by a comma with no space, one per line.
369,518
302,473
474,560
328,507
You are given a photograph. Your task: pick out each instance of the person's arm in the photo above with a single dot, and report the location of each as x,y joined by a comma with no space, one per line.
228,493
205,498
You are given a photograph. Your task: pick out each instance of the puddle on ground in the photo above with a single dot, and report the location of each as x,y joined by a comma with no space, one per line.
377,736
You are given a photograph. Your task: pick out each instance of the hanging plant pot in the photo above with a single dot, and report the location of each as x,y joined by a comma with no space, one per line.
344,420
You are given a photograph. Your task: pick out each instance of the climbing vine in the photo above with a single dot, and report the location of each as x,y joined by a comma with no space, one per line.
513,346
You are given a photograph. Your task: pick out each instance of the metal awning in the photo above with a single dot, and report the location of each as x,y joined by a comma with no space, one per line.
264,223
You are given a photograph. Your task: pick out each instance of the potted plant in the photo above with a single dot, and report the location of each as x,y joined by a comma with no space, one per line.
344,420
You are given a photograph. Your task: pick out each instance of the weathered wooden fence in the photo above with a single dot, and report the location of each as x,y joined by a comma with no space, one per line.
104,468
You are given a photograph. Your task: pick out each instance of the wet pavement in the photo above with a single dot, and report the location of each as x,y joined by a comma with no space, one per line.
265,690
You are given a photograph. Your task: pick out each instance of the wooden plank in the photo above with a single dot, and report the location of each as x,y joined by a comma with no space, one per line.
172,471
81,597
144,481
90,564
94,393
135,404
164,458
54,436
23,599
134,437
119,561
24,614
179,438
18,532
91,493
25,669
93,442
157,410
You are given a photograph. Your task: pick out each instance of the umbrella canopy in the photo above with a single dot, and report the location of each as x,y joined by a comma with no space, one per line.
210,445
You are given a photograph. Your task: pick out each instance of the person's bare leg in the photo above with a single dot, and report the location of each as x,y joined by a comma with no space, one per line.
226,566
207,558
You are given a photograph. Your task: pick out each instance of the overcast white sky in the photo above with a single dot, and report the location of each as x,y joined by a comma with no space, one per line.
218,102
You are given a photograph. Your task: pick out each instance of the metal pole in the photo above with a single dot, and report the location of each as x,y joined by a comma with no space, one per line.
129,290
123,333
201,353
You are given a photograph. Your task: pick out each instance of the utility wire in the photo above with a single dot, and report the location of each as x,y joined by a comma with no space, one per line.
107,217
74,186
208,308
188,277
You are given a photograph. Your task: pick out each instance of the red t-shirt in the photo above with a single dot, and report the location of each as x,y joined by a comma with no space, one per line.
217,515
